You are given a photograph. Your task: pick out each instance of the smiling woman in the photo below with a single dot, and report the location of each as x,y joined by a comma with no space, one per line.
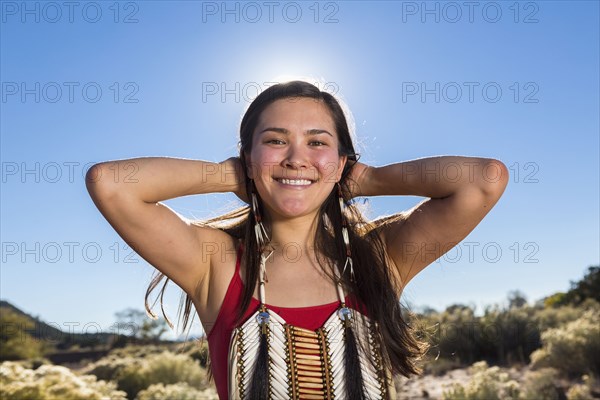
333,326
294,159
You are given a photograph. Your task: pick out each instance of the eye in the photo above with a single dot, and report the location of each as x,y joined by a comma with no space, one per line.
274,140
319,143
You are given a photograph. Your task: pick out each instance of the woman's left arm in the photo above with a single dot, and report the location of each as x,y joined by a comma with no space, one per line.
461,191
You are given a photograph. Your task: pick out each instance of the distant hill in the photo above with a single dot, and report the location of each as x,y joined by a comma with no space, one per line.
61,340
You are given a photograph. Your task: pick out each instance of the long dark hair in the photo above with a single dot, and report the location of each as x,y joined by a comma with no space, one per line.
374,285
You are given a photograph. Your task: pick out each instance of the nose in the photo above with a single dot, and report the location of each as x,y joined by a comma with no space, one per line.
296,158
296,163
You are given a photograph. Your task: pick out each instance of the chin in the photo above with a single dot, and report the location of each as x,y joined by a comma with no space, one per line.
292,212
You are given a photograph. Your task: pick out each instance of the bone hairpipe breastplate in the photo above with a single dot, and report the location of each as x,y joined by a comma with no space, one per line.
305,364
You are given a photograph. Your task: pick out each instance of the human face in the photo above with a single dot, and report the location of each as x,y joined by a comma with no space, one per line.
294,159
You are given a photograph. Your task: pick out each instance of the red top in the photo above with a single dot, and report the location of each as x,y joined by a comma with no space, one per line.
220,335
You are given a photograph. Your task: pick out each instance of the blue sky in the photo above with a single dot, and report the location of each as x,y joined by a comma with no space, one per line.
156,78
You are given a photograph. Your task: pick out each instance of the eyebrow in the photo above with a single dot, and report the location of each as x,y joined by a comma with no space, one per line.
286,132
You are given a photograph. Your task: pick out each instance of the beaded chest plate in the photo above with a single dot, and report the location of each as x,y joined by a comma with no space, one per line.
305,364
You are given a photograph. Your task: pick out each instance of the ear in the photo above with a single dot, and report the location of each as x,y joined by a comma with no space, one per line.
249,168
341,165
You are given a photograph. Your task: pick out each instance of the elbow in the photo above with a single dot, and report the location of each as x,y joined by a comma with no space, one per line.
495,177
96,180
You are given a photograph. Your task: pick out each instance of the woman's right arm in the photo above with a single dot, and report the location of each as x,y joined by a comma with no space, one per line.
129,192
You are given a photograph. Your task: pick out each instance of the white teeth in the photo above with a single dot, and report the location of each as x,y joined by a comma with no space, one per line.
296,182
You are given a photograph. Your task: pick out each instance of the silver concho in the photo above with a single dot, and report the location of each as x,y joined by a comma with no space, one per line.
263,318
345,314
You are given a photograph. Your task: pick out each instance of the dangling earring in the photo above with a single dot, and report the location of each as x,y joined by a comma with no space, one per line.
262,238
259,230
259,384
354,379
345,236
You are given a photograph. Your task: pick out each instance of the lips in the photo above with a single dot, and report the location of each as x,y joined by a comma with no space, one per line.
295,182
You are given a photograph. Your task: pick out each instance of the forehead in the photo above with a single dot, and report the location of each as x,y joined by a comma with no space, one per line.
297,113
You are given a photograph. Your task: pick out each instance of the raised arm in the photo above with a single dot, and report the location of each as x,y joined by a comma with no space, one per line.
129,192
461,191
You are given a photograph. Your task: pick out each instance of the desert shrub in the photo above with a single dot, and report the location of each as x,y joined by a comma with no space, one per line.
451,334
582,391
573,349
15,342
138,351
179,391
51,382
501,335
198,351
456,392
539,385
487,383
579,392
558,299
586,288
134,374
110,366
508,336
582,291
439,366
553,317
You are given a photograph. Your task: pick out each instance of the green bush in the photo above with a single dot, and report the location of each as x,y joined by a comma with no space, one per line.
134,374
586,288
138,351
579,392
15,342
573,349
51,382
451,334
199,352
110,366
438,367
179,391
539,385
553,317
582,391
508,336
487,383
504,336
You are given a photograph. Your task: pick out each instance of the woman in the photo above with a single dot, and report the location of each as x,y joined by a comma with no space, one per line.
298,293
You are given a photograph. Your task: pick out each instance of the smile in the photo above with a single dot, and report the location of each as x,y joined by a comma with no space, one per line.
295,182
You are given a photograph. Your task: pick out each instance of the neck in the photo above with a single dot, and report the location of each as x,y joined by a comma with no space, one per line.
293,238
